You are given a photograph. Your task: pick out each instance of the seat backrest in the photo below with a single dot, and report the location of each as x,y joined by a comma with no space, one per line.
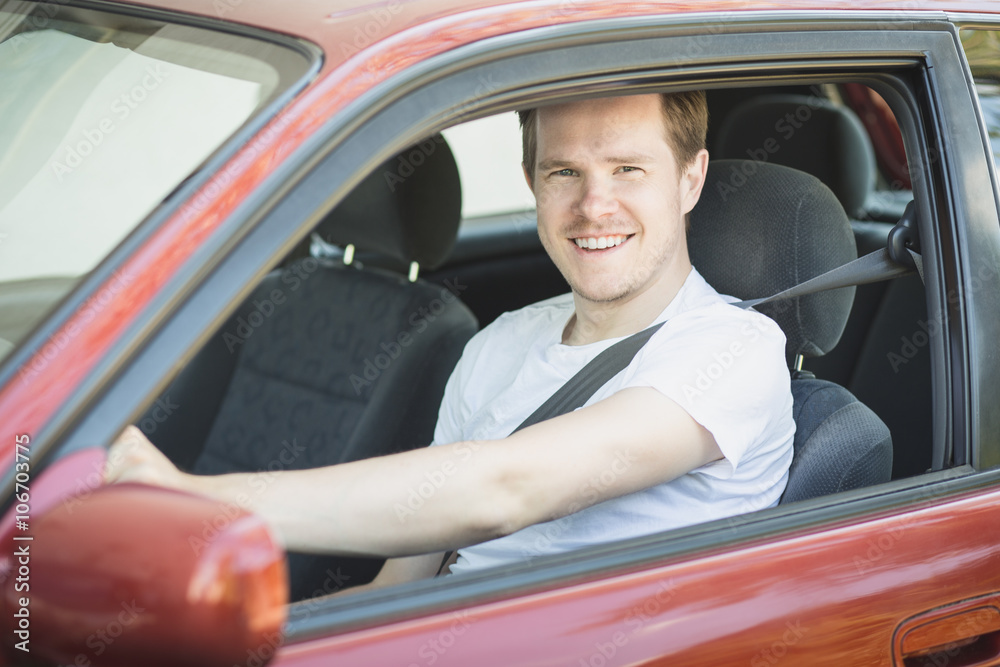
761,228
807,133
326,363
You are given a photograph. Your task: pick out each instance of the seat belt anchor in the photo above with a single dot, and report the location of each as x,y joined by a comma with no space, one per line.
905,236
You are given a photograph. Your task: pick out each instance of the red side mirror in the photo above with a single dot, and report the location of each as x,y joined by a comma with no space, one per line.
138,575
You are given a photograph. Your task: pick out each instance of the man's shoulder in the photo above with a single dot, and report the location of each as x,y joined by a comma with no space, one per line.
705,308
539,315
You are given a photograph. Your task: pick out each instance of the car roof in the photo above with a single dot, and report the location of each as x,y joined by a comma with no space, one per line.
342,28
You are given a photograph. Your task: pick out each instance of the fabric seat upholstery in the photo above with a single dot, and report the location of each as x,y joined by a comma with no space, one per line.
326,363
758,229
810,134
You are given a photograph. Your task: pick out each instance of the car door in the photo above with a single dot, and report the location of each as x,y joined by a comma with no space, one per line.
893,574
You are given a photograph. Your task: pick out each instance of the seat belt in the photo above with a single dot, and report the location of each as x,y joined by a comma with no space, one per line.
900,257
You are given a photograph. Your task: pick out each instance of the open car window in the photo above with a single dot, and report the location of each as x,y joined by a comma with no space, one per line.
982,49
103,116
237,418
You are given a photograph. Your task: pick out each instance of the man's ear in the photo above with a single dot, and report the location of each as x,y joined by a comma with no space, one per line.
693,180
527,177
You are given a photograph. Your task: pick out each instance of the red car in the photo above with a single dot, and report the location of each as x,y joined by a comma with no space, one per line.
262,232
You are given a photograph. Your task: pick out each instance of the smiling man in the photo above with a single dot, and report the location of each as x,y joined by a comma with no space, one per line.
697,427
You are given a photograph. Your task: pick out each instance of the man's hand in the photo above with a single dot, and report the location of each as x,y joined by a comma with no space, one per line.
133,458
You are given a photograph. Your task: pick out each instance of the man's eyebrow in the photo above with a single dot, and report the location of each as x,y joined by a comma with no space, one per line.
636,158
546,165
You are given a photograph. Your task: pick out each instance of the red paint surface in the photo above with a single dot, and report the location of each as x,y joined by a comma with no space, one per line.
836,597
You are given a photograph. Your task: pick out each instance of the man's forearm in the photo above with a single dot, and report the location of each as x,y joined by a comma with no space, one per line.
430,499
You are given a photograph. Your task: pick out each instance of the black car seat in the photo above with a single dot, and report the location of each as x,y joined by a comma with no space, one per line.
327,363
828,141
807,133
761,228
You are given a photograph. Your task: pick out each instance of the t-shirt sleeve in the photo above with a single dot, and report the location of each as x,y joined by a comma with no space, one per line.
454,410
726,368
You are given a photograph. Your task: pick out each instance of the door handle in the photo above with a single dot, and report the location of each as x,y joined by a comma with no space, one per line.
966,634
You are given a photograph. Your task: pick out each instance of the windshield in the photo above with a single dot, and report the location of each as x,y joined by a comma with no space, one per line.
102,116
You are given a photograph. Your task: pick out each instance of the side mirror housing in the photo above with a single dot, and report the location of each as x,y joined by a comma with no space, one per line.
139,575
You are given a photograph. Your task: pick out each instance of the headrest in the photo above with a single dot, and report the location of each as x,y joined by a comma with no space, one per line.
409,208
761,228
806,133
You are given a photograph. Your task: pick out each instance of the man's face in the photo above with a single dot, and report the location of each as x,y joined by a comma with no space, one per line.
611,199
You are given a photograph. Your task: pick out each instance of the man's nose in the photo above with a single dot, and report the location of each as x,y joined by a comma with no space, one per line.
596,198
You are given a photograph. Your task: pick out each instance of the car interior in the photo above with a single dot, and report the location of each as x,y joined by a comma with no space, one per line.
343,351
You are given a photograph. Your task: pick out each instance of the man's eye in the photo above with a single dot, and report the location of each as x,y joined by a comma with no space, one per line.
563,172
629,168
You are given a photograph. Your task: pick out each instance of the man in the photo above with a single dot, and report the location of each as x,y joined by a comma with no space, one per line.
698,427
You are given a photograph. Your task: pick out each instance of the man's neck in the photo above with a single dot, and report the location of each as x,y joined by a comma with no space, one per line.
596,321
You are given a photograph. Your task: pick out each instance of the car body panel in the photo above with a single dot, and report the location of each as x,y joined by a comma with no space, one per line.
800,596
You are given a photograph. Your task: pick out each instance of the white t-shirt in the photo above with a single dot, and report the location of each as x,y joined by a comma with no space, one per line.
724,365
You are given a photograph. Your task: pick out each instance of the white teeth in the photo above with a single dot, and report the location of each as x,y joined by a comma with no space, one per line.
600,242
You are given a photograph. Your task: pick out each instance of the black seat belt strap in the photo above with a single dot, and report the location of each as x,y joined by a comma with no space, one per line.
900,256
579,388
871,268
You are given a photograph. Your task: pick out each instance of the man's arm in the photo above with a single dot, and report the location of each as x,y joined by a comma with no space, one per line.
450,496
400,571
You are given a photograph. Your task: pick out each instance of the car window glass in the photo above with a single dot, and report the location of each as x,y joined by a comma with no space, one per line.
102,118
982,48
488,152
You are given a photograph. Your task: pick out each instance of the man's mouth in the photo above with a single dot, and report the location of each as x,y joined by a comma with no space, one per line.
601,242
